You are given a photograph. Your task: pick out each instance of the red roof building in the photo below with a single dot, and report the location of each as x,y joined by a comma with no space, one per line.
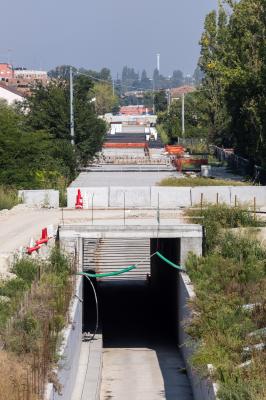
134,110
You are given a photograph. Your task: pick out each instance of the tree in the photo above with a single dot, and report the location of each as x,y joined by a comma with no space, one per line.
105,101
160,101
233,62
196,117
31,159
177,79
48,109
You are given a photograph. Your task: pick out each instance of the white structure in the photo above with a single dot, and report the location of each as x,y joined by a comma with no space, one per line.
30,74
10,95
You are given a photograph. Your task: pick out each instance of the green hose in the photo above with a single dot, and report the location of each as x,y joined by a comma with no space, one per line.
170,262
115,273
123,271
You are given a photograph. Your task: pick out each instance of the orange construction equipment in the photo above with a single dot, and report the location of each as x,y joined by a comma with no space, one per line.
79,200
189,164
110,145
175,150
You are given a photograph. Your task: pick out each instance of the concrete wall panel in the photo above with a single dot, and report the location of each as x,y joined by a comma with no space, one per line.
69,352
210,194
170,197
134,196
41,198
100,196
246,194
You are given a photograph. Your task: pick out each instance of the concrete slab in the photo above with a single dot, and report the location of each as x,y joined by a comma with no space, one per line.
87,384
131,197
170,197
149,374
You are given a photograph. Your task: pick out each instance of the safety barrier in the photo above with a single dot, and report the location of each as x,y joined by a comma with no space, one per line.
166,197
36,245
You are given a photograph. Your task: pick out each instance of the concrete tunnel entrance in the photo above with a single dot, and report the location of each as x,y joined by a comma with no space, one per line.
138,316
138,321
137,308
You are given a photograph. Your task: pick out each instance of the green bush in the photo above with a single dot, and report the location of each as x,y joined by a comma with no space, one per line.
230,275
26,269
215,218
8,198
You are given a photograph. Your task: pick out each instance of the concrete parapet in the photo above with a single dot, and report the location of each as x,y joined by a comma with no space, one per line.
246,195
202,388
69,351
210,194
40,198
98,195
170,197
132,196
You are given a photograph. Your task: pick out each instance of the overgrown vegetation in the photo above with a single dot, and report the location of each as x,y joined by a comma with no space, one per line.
33,311
231,275
8,198
233,60
35,142
198,181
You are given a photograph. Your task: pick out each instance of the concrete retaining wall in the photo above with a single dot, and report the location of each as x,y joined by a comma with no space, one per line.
169,197
41,198
134,196
69,352
202,388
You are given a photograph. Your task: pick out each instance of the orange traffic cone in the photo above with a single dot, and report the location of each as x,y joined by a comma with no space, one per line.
79,200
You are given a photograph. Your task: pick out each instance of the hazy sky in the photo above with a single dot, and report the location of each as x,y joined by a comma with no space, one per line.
111,33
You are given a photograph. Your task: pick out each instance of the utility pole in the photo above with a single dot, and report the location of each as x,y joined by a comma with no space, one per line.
183,114
113,83
168,100
72,130
153,94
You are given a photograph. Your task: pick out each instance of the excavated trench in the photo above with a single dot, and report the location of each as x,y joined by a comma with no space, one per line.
138,319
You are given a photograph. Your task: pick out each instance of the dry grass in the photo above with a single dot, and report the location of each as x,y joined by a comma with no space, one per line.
14,378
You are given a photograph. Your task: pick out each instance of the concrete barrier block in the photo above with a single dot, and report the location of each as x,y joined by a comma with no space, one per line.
100,196
40,198
246,194
210,194
134,196
170,197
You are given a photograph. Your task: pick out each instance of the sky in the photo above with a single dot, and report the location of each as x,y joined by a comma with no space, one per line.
103,33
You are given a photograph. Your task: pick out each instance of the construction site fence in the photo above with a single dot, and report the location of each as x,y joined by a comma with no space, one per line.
239,164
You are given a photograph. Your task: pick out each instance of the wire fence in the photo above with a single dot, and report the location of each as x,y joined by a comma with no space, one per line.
240,164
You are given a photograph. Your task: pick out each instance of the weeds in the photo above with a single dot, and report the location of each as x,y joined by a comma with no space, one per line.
219,217
230,275
8,198
197,181
36,310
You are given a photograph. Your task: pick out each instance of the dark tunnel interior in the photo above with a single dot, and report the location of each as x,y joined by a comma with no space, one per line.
137,313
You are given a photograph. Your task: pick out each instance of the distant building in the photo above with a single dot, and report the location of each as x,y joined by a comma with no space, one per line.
10,95
6,72
177,92
31,76
135,110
